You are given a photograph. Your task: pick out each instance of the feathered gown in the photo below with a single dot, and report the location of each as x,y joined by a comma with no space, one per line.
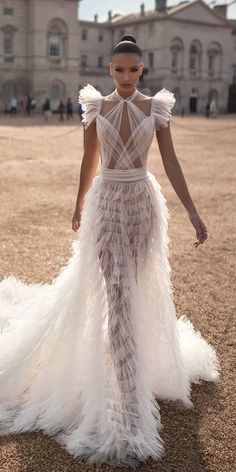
86,358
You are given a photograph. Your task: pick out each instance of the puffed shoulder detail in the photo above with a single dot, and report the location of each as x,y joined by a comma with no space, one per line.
91,101
162,104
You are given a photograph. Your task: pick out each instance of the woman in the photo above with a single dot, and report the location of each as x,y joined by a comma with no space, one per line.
86,358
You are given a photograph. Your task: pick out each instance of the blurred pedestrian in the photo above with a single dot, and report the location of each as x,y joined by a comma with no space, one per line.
61,109
69,109
80,111
207,108
46,109
28,105
33,105
213,109
13,106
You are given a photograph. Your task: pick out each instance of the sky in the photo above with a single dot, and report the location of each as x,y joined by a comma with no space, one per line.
88,8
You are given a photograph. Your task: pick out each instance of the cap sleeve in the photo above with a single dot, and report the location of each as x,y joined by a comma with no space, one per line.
162,104
91,101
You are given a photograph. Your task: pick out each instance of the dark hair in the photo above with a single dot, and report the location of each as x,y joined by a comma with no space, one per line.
127,43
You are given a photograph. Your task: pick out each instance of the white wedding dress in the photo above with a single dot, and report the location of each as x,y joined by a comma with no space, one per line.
87,357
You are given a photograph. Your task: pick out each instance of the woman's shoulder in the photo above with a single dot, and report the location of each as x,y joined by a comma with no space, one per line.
89,93
161,107
163,100
163,97
90,100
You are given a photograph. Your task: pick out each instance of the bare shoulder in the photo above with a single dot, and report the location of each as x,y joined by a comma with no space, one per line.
142,96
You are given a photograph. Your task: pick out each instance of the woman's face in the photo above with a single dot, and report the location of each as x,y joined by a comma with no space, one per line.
125,69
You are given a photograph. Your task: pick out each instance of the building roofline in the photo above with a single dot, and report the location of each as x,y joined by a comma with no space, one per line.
153,15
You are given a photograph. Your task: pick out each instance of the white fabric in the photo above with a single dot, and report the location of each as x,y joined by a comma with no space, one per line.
86,357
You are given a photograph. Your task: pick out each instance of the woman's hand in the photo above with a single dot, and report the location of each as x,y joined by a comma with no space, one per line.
76,220
201,231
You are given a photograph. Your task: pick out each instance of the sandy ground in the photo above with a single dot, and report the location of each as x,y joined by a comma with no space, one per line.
39,177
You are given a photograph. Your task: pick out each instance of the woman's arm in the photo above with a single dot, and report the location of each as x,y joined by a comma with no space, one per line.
87,171
175,175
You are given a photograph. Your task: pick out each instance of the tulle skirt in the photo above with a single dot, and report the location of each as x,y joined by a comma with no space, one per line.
87,357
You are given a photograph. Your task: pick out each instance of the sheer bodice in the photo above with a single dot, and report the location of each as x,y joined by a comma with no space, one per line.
125,127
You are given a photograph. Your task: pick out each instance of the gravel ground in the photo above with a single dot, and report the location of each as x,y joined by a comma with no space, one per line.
39,177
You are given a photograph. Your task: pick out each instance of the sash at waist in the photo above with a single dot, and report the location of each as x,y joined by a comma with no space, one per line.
127,175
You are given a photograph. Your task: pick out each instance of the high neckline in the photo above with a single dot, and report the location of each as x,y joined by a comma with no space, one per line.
129,98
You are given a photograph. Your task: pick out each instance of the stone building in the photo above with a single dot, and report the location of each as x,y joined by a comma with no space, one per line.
187,48
46,51
39,51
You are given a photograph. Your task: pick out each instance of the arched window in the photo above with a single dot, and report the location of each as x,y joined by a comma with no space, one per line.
195,58
84,34
213,96
214,54
8,91
177,55
151,30
84,60
55,44
57,36
57,93
100,36
8,41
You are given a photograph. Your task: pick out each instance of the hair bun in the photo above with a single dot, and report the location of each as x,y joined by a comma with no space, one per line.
128,37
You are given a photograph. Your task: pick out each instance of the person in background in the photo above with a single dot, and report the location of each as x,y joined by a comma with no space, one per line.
213,109
28,105
80,111
33,105
46,109
69,109
207,108
13,106
61,109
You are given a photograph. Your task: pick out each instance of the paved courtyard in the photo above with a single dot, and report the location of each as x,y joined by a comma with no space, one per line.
39,168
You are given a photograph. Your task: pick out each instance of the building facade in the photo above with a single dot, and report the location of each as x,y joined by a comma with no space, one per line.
39,52
187,48
45,51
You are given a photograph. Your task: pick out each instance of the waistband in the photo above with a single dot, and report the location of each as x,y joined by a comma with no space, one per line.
127,175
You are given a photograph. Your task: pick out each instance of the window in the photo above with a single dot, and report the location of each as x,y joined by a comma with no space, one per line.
195,58
136,31
56,91
100,36
151,59
177,55
174,60
211,60
151,30
84,34
54,49
83,60
57,40
8,45
7,11
100,61
214,59
8,91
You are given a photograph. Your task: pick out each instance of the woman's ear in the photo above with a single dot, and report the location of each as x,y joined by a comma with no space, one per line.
110,68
